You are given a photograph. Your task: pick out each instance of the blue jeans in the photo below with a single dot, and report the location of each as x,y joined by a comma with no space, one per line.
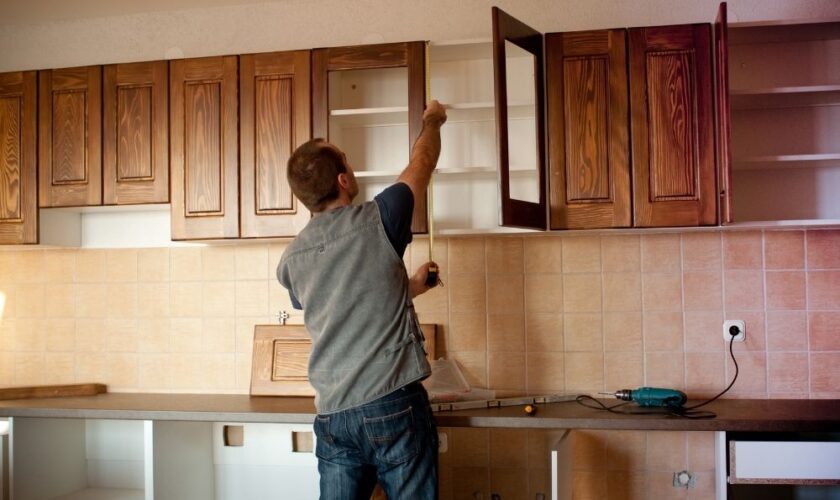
392,440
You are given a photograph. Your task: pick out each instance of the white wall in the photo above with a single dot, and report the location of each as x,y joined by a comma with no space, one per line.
292,24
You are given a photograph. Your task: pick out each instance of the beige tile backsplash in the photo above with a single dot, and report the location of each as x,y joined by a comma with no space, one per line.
520,314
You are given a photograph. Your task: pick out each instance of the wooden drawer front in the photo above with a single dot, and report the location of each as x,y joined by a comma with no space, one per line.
784,462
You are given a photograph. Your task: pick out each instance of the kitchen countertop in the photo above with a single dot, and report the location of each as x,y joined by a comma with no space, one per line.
759,415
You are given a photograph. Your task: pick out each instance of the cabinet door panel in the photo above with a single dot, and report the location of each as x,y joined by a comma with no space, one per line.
70,128
274,120
672,126
589,161
519,212
410,55
18,187
204,148
135,145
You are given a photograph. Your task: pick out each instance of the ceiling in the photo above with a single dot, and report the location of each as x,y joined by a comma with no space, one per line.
45,11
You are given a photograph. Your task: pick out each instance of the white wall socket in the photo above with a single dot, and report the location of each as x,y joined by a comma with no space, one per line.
734,322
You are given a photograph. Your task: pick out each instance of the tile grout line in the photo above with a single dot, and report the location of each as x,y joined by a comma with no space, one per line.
806,265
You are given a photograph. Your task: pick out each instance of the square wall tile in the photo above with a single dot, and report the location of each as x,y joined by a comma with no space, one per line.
506,448
704,374
665,451
623,370
543,293
60,300
251,262
470,447
703,331
662,292
467,332
784,249
824,290
742,250
61,368
661,253
218,263
153,372
30,368
825,372
702,251
621,254
545,372
473,365
583,332
589,484
505,332
153,335
59,266
185,299
120,335
509,482
153,300
785,290
29,267
250,298
184,264
31,300
665,369
788,331
582,292
584,371
622,291
504,255
701,450
544,332
824,330
507,370
219,298
90,335
467,293
153,264
589,449
505,293
543,254
752,373
60,334
702,290
91,300
824,249
743,290
787,372
663,331
581,254
623,331
626,450
122,300
466,255
121,265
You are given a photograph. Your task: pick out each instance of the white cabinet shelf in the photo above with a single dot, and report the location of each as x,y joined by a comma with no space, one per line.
104,494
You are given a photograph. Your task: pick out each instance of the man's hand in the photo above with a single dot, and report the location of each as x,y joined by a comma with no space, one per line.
417,283
434,115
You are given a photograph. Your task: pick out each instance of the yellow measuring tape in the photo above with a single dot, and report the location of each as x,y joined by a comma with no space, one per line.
430,215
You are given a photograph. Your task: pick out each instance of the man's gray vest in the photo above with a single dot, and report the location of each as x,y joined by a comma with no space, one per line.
366,341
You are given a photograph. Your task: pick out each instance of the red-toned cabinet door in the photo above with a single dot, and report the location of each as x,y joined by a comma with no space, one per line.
135,146
70,137
204,148
18,186
589,143
672,126
520,125
274,119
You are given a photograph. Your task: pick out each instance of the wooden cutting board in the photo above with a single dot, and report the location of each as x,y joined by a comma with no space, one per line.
281,359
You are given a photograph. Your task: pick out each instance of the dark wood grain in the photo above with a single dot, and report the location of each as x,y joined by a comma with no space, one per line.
52,391
70,137
724,134
204,148
589,161
18,174
410,55
518,213
274,120
135,149
672,135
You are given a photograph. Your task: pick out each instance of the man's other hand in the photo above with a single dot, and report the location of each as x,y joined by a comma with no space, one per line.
417,283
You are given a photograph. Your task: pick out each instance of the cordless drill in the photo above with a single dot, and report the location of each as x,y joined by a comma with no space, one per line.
653,397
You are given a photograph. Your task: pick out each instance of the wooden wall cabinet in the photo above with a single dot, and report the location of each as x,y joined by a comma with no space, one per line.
69,137
135,146
372,95
631,127
18,185
204,148
274,119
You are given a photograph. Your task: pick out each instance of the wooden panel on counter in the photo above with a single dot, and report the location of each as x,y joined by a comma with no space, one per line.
18,153
52,391
274,119
135,133
204,148
281,359
70,137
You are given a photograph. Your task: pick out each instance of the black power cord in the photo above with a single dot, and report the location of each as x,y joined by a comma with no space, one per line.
674,411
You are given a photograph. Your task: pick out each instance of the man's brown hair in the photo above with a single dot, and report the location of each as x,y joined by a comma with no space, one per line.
313,173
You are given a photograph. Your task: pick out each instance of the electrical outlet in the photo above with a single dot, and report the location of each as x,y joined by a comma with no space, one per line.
740,324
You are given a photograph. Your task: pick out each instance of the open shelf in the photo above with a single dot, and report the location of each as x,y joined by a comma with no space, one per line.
105,494
787,161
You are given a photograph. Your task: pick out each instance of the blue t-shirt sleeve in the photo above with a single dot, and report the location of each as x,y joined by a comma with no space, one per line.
396,208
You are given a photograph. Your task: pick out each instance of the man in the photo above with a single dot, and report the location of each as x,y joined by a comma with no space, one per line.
345,270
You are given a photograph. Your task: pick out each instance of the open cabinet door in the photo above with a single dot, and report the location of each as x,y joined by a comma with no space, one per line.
520,122
723,115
